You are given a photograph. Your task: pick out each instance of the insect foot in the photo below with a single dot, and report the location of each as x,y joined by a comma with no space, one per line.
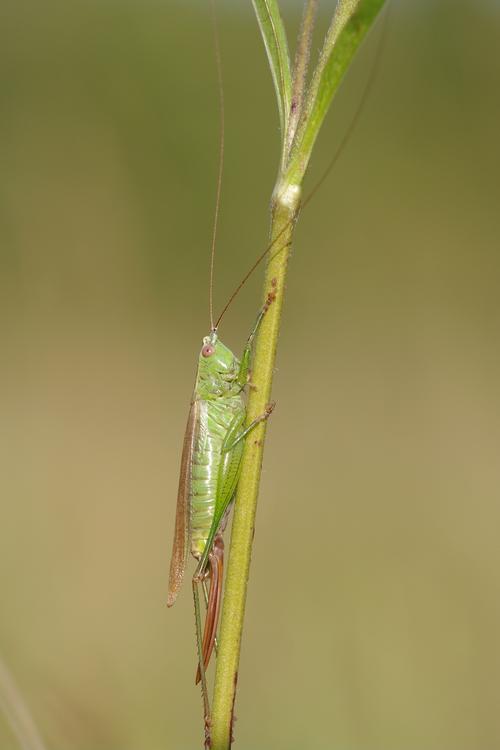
234,719
269,409
271,297
208,738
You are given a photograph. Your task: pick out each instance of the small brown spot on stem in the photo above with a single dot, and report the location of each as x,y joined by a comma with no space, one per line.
271,297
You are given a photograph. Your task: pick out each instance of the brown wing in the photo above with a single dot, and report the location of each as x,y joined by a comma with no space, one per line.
181,533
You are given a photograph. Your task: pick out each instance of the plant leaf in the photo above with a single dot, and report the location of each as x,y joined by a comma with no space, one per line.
351,22
274,36
300,68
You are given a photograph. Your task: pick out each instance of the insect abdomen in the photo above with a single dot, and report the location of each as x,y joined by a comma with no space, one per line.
215,419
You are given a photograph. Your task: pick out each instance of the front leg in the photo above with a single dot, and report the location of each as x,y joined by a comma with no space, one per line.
247,352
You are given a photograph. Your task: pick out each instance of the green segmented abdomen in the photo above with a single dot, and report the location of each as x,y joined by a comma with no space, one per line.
214,421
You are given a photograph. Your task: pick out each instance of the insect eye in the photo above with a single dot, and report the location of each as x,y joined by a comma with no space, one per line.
207,350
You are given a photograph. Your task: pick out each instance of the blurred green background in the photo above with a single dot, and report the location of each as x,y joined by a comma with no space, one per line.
374,609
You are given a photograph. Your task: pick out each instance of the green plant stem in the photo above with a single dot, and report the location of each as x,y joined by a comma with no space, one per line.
285,209
300,126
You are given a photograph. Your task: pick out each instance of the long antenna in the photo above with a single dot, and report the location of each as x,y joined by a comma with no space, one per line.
326,173
220,84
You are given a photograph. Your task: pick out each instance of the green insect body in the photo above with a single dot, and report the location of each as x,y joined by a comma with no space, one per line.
210,469
210,464
215,470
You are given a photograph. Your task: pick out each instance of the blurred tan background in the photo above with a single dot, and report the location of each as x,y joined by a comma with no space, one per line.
374,609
